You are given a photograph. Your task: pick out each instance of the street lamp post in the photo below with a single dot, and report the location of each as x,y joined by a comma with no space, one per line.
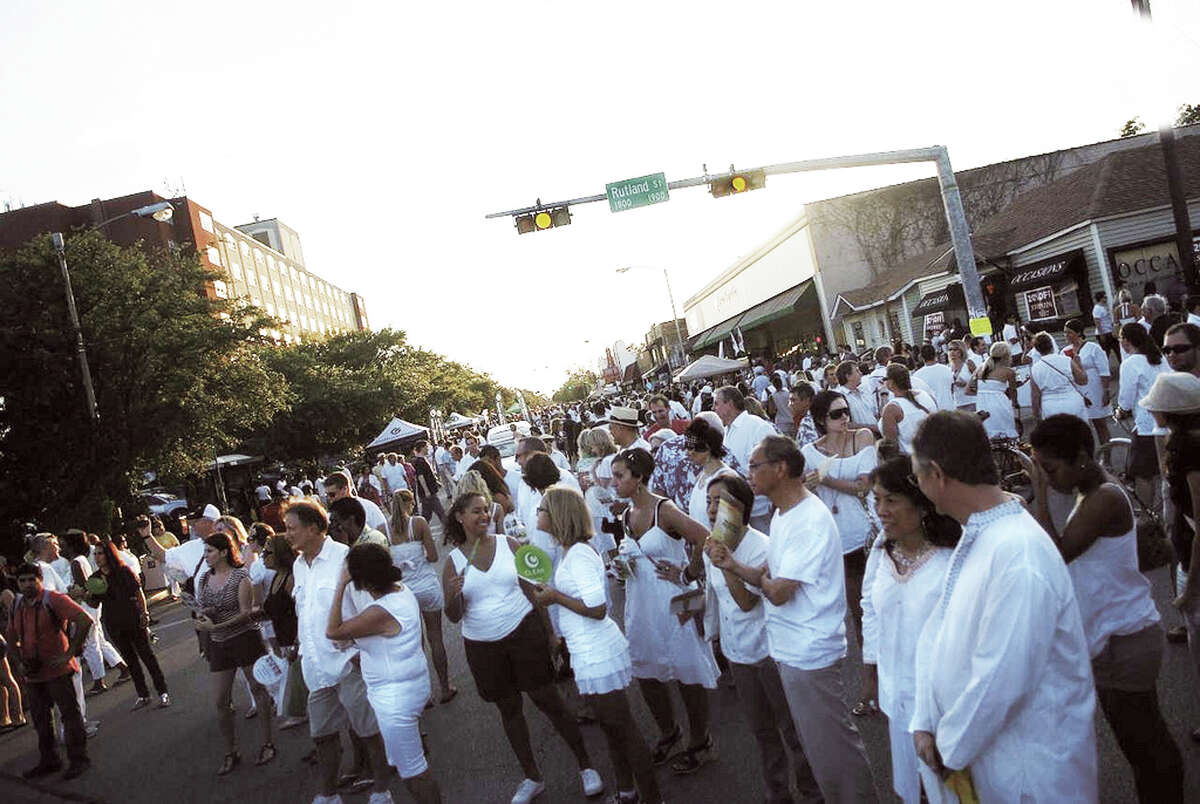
161,211
674,315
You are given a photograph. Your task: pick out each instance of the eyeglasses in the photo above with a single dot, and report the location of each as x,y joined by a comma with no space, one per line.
838,413
1178,349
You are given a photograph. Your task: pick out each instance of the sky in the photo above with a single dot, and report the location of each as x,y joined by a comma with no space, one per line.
384,132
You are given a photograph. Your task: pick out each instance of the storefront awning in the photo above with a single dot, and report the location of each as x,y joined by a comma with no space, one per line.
1045,272
774,307
632,373
949,298
719,332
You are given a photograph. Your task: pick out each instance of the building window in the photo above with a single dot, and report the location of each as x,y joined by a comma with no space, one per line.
270,309
236,270
859,340
206,221
213,254
220,289
252,276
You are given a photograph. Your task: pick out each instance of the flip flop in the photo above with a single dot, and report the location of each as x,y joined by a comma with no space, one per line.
449,696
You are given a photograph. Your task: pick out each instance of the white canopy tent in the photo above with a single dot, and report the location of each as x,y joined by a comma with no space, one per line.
457,420
710,366
397,431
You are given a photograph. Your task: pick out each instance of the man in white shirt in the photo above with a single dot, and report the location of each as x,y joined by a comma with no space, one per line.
1003,679
761,382
1102,316
743,431
338,485
803,585
734,610
337,695
394,475
623,423
861,400
470,455
262,491
526,447
875,383
937,377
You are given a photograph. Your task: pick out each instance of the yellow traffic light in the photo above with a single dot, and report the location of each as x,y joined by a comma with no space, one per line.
738,183
542,220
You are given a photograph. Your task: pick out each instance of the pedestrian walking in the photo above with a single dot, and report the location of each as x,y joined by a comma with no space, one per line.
599,651
388,635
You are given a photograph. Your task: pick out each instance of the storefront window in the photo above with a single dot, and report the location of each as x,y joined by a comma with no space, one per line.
859,340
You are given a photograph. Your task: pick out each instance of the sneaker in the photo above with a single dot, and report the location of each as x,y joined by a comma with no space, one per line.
140,703
42,769
164,701
528,791
77,769
693,759
124,675
593,785
99,688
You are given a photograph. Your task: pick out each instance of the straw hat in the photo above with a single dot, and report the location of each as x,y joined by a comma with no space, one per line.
1173,392
625,416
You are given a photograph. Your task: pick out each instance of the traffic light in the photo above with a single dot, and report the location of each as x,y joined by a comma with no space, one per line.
543,219
738,183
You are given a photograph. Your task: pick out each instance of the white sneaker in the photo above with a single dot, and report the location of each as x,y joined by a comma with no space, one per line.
381,798
593,785
528,790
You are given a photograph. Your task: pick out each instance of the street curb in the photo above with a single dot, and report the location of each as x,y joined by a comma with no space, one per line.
57,795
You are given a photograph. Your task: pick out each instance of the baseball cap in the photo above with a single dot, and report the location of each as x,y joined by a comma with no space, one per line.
208,511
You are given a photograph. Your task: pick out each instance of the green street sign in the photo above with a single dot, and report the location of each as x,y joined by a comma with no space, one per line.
640,192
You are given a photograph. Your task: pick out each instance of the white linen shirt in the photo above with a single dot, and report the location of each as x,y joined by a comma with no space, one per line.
741,437
809,630
375,517
314,585
743,633
940,380
1004,679
861,402
1137,375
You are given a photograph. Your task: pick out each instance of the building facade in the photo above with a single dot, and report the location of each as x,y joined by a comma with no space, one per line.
261,262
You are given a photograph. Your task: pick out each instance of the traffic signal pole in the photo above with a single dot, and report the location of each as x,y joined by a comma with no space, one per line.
960,232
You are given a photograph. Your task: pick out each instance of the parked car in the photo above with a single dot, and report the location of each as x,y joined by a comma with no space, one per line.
164,504
501,437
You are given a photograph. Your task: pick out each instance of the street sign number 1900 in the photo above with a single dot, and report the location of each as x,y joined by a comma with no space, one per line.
640,192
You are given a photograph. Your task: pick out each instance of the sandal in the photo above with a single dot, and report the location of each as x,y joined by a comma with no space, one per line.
448,696
232,760
666,745
693,759
265,754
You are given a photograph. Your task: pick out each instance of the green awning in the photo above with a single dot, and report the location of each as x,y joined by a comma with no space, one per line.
717,333
774,307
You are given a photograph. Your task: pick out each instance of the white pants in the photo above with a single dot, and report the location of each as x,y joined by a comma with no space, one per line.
908,771
96,649
398,707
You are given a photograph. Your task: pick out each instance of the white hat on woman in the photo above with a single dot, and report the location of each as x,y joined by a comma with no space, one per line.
1173,392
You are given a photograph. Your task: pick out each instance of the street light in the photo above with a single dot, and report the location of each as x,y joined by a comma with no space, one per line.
674,317
161,211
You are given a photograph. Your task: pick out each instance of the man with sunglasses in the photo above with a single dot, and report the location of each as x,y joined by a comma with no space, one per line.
1181,345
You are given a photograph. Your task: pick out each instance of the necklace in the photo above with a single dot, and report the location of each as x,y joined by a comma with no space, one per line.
905,564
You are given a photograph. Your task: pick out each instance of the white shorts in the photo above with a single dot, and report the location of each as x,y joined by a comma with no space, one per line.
398,707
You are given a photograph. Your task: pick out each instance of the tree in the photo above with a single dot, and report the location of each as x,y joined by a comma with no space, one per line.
1133,126
179,378
1189,114
346,388
579,383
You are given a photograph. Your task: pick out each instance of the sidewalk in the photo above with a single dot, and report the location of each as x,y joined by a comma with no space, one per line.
15,790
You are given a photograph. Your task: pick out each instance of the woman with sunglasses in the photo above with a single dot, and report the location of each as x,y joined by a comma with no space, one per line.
843,460
599,651
704,437
905,570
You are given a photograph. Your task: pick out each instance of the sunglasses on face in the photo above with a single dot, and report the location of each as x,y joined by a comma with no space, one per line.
1177,349
839,413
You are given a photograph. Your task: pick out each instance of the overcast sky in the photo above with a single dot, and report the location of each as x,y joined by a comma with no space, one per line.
384,132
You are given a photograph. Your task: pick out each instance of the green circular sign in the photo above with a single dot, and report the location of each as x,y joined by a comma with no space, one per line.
533,564
96,584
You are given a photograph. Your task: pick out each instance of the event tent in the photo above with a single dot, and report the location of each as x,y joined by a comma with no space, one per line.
398,433
710,366
457,420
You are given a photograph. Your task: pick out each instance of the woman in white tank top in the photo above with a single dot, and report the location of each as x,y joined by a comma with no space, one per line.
901,416
507,643
415,554
1089,516
388,635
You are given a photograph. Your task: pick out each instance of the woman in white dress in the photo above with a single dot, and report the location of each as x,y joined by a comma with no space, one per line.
961,369
706,447
905,572
838,465
599,651
415,554
388,635
901,416
1094,360
995,389
662,648
1057,381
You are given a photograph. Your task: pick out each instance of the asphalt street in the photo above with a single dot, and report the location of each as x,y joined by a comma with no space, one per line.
154,755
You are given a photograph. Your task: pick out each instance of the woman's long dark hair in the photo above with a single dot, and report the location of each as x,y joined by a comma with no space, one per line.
895,475
1141,342
1182,456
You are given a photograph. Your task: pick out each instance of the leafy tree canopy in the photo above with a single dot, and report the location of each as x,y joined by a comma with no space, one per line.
579,383
1187,114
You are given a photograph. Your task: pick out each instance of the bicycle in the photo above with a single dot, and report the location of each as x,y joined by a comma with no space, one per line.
1012,461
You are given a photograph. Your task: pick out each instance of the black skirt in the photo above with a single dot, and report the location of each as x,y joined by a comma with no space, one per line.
242,650
519,662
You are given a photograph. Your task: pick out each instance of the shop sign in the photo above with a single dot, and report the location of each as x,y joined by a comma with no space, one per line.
934,324
1041,303
1039,275
1134,267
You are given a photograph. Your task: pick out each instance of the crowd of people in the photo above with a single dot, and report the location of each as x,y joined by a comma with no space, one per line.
742,528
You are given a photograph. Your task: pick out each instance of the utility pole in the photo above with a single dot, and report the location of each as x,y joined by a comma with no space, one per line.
89,393
674,320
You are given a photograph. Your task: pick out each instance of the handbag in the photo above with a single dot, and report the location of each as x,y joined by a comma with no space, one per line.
295,691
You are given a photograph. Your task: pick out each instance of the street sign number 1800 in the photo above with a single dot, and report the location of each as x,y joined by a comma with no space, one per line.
640,192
